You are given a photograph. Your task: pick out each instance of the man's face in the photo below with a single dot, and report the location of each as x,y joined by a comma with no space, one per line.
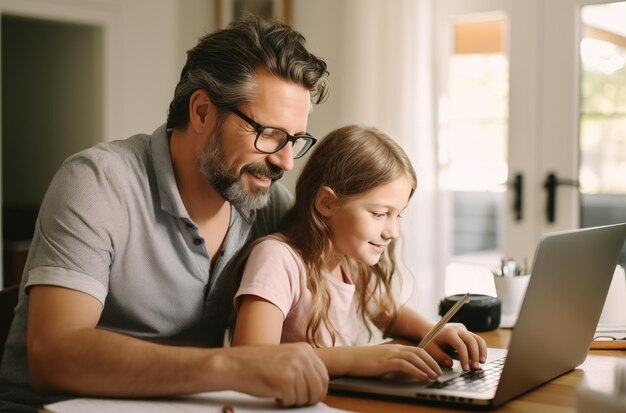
229,161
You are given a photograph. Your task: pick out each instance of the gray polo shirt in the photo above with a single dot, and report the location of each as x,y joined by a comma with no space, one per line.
113,225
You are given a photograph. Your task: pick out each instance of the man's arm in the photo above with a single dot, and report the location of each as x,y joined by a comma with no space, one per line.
67,353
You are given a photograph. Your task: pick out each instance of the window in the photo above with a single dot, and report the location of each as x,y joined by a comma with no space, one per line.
473,149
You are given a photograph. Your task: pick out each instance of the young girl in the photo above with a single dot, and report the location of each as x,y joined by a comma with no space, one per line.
330,269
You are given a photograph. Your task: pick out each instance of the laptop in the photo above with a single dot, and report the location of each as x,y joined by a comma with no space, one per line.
571,275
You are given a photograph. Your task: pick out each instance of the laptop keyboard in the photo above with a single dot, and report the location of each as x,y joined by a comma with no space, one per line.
485,378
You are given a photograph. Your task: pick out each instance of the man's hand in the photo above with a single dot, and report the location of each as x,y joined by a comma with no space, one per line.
292,373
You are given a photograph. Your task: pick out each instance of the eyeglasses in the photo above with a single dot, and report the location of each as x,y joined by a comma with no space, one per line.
271,140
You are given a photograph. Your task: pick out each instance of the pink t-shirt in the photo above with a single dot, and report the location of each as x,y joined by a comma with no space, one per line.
276,273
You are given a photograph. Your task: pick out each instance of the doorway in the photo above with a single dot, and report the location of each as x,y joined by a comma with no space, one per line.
52,106
530,125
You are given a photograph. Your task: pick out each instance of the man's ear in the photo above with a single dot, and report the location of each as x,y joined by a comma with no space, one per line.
202,112
325,201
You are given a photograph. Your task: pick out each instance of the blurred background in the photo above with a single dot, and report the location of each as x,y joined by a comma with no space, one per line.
513,113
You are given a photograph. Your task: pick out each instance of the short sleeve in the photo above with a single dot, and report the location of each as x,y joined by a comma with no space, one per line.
275,273
81,211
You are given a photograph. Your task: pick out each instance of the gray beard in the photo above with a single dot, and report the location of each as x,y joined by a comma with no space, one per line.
211,163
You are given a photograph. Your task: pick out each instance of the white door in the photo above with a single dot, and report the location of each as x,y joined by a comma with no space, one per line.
508,93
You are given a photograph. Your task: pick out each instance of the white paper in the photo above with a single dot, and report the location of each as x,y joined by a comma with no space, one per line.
614,311
202,402
613,319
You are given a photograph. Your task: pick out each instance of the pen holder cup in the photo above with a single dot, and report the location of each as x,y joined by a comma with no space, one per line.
511,290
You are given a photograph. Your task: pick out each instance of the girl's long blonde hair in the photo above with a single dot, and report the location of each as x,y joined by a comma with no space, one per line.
350,160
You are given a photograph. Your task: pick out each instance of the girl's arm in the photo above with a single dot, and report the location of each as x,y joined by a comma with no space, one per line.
471,348
258,322
409,324
270,282
377,360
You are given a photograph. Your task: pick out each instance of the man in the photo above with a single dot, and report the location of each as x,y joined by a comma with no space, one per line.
125,288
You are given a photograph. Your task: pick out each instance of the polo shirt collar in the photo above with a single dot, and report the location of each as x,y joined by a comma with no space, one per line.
171,202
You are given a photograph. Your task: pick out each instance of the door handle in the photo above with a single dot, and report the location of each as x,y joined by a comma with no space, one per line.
518,190
550,185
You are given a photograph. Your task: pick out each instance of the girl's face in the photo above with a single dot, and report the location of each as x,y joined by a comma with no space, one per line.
363,225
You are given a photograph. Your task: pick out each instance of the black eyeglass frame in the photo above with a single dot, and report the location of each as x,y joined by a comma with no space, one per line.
258,128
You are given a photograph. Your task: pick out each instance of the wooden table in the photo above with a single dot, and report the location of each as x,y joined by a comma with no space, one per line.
556,396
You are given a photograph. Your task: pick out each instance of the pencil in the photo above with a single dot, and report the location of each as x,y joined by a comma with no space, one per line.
441,323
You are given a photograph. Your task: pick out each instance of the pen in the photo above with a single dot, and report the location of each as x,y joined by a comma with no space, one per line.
441,323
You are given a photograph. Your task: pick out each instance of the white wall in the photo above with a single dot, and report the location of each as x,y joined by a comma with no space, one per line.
379,56
319,21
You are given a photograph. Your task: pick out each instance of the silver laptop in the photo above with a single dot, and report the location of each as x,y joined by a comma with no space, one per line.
570,280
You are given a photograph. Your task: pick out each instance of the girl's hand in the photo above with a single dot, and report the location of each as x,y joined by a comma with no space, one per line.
370,361
470,348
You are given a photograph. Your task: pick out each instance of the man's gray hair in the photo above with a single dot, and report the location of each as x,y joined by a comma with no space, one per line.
223,64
